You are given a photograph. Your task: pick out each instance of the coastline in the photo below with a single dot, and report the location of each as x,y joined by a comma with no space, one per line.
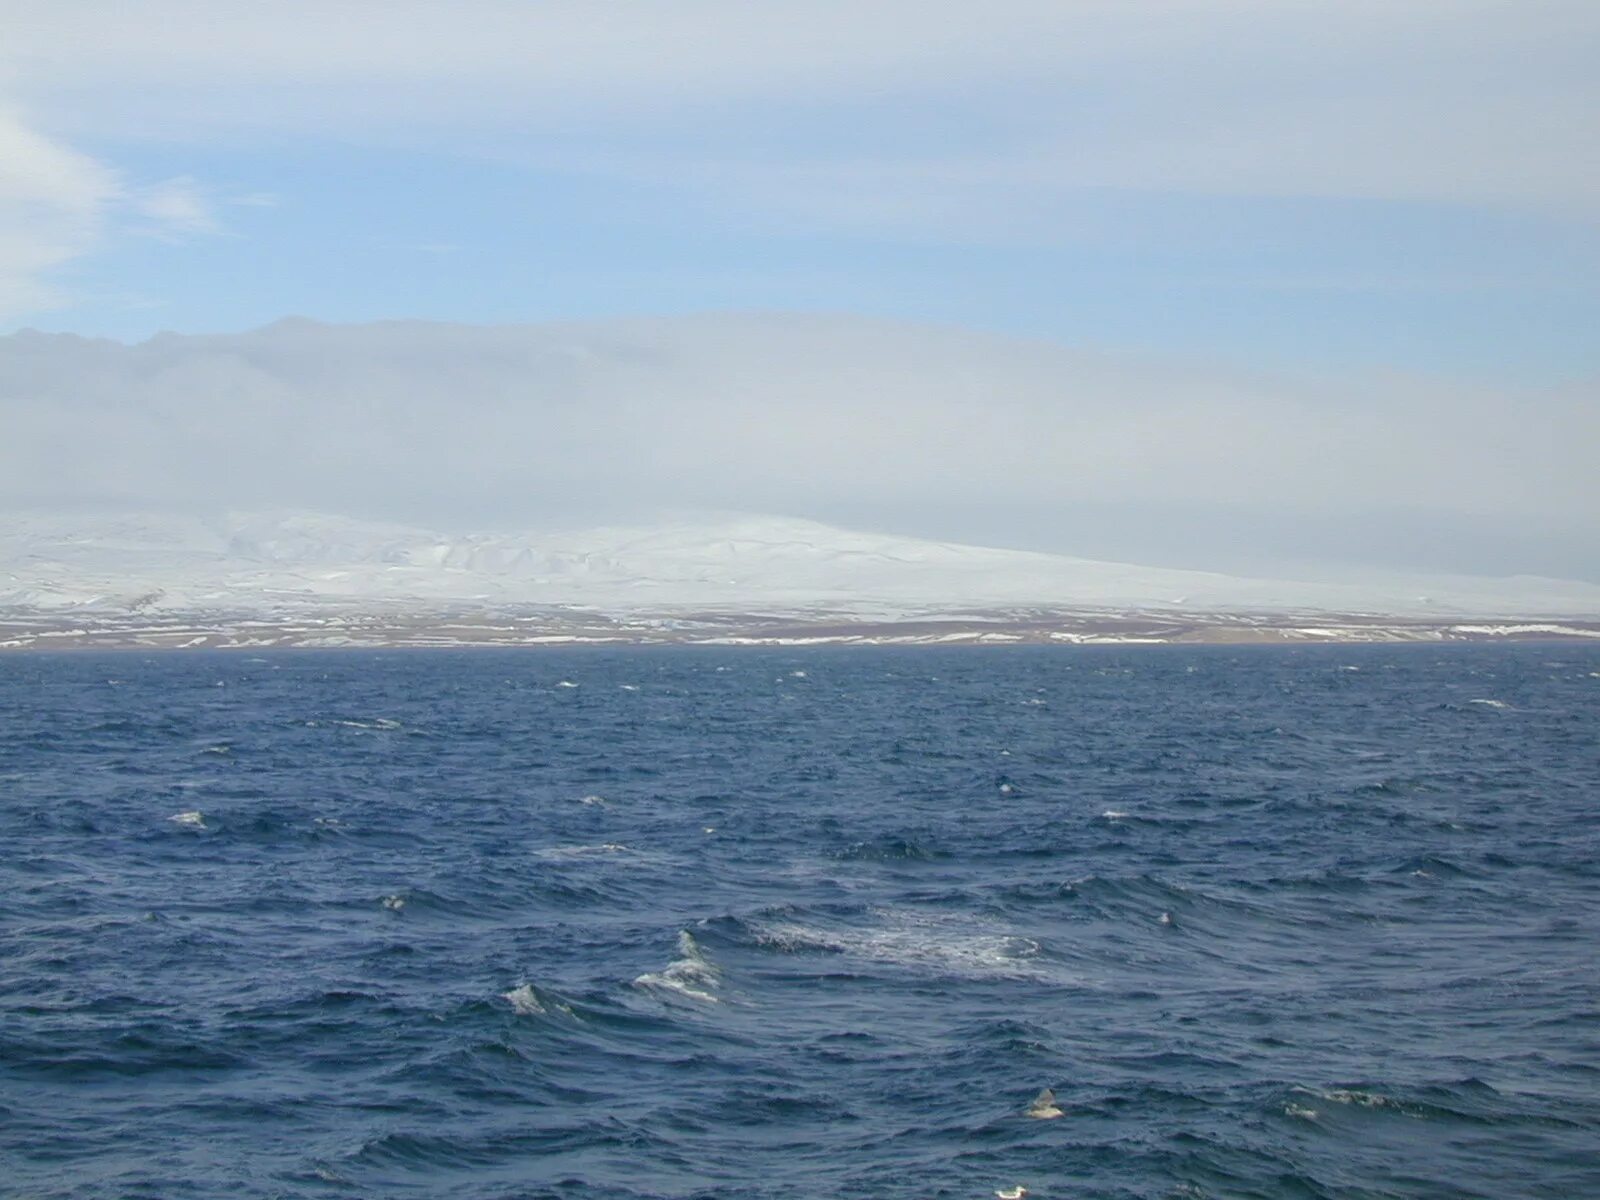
23,630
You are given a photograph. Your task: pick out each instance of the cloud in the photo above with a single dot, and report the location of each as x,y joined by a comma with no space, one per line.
876,424
58,205
1011,123
937,112
53,202
174,209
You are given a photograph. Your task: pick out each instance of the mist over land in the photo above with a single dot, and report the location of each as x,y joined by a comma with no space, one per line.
922,431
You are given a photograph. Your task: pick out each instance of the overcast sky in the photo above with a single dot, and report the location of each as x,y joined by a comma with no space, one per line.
1375,218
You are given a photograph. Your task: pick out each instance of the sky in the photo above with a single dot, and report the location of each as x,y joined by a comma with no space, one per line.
1350,201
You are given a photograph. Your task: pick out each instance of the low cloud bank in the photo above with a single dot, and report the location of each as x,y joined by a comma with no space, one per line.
929,431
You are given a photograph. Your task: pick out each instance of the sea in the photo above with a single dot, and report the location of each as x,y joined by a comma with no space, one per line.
674,922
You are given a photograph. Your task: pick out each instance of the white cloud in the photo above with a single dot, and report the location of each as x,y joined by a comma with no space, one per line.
936,110
1006,122
58,205
174,208
53,202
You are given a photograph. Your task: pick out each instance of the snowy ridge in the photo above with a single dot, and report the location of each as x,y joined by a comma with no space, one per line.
266,562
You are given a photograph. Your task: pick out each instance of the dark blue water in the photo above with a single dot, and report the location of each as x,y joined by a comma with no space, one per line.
773,924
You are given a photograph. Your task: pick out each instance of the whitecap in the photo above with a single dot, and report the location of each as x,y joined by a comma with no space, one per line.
524,1001
566,683
376,723
1490,703
1113,814
192,819
1296,1110
913,940
1362,1099
629,687
558,852
691,974
394,903
595,800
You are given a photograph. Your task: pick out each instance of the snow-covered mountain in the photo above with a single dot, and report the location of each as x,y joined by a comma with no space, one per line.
256,562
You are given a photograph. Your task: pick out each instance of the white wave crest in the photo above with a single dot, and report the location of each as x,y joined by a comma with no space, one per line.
914,940
1361,1099
1490,703
691,974
524,1001
559,852
192,819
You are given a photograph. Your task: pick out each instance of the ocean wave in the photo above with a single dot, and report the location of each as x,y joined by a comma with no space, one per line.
566,852
1467,1100
914,941
528,1000
882,960
889,849
371,724
691,974
524,1001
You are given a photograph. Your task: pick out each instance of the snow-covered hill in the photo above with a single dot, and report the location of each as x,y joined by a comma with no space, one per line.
259,562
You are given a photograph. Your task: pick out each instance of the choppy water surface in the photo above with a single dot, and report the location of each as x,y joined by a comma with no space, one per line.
1310,922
